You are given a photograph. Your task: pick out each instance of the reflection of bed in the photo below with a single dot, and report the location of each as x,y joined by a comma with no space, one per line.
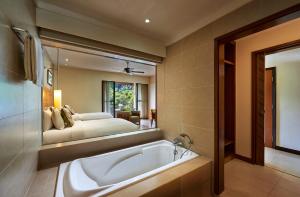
91,116
89,129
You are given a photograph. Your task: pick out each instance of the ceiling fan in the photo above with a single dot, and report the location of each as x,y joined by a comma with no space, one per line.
131,71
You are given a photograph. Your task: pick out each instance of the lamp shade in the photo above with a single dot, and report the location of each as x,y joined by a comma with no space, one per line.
57,98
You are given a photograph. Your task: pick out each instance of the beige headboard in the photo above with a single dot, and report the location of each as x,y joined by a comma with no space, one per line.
47,97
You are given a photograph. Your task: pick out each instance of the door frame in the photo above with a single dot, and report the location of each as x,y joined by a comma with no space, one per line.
260,25
258,101
273,69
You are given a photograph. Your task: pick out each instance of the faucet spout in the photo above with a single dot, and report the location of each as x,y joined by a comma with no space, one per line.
190,141
178,142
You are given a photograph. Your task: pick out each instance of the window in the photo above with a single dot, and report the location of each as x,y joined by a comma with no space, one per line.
124,96
117,96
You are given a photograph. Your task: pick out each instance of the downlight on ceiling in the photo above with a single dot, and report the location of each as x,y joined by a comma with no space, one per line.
67,59
147,20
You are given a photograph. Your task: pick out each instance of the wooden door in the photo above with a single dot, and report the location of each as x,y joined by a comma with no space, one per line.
268,108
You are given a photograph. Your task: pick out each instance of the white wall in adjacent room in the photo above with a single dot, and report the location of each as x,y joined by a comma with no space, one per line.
287,103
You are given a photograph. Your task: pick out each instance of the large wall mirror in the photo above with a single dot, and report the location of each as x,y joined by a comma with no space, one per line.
89,93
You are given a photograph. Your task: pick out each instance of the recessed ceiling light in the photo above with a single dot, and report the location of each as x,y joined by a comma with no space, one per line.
147,20
67,59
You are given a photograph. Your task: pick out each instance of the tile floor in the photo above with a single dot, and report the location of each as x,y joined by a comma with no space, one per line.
283,161
44,183
246,180
146,124
241,180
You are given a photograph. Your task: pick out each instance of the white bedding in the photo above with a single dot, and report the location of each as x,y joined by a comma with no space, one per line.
91,116
89,129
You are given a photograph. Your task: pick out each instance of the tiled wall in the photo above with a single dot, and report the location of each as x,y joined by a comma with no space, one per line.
186,77
20,116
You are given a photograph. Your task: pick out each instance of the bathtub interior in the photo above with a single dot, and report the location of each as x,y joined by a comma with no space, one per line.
114,168
97,173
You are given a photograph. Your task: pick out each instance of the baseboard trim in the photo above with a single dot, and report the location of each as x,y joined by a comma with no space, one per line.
287,150
243,158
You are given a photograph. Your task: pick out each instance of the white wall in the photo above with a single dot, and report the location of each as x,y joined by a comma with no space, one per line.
287,103
244,47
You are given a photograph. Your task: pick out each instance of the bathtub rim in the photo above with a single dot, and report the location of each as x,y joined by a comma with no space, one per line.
62,168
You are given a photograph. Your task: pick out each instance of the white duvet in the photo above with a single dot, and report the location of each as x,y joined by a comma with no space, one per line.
89,129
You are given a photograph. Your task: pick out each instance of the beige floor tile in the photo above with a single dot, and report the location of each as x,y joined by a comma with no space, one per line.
290,183
245,186
44,183
281,192
248,172
240,193
246,180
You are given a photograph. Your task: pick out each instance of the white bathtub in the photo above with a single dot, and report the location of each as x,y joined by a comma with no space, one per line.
100,175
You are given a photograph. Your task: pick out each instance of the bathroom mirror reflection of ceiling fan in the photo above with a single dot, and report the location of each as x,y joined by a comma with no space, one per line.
130,70
97,60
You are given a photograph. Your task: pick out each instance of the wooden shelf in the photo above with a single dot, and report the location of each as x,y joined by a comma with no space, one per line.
228,142
229,62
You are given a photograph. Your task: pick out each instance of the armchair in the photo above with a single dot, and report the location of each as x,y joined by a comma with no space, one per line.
135,117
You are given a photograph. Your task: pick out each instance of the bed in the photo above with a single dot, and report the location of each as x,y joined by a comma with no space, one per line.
90,128
91,116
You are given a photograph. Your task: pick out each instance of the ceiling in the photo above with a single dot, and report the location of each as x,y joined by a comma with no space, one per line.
171,20
95,61
291,56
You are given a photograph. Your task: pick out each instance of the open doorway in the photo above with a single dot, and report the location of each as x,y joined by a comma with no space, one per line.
281,107
251,147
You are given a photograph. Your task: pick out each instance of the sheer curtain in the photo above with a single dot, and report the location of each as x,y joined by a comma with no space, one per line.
142,99
108,97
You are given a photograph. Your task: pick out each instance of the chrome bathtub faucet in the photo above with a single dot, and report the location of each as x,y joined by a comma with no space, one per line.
190,141
180,141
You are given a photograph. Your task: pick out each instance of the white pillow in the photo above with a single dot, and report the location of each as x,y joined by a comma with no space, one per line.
92,116
57,119
76,116
47,122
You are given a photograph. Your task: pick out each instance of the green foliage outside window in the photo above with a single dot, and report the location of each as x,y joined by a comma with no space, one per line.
124,96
